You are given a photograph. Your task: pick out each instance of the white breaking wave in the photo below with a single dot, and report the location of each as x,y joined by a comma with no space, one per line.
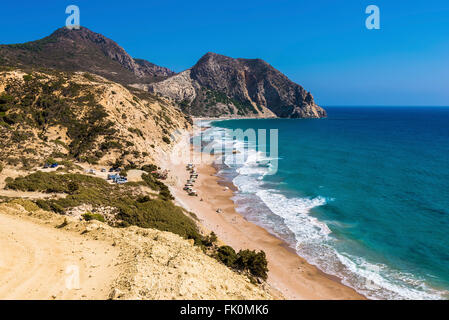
295,212
313,239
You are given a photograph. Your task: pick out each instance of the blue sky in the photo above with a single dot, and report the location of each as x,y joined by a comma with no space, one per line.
321,44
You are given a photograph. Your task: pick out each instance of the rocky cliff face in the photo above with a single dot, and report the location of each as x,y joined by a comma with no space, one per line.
220,85
82,50
147,68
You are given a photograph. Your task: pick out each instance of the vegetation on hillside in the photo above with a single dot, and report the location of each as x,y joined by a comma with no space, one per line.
37,105
48,111
207,99
134,208
252,262
156,212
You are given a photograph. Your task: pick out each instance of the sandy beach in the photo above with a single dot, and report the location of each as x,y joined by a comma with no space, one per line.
289,274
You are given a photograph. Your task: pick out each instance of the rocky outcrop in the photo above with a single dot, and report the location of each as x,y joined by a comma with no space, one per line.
180,87
150,69
220,85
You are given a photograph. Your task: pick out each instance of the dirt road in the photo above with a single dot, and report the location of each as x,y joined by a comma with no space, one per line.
39,261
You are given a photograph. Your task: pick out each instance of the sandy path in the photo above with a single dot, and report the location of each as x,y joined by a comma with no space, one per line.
37,260
30,195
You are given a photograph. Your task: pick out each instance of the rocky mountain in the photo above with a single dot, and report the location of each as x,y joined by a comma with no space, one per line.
222,86
82,50
216,86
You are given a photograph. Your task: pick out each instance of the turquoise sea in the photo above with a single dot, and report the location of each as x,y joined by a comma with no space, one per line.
363,194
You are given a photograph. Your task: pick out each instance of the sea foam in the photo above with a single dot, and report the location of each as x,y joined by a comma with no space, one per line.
311,238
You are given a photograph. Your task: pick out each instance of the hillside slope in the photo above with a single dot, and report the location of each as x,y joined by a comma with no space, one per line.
82,50
131,263
218,85
84,117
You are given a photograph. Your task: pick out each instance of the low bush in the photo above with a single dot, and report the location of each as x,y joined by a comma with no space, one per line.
245,260
210,240
73,186
158,213
136,131
227,255
26,204
254,262
166,139
151,181
149,168
88,216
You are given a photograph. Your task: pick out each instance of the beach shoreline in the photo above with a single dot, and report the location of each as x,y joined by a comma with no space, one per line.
290,276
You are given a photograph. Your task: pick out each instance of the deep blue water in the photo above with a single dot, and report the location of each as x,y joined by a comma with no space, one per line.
363,194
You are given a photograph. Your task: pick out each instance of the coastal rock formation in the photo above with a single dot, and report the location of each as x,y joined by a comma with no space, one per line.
180,87
82,50
218,85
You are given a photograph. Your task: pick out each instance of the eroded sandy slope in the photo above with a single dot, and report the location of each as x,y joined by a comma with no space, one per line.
37,259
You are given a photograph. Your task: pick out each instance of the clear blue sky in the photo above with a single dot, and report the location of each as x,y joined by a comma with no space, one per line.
320,44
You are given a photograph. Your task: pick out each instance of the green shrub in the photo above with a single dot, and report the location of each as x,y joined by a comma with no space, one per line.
132,209
88,216
107,145
158,214
26,204
166,139
73,186
149,168
254,262
226,255
136,131
143,199
52,182
246,260
6,99
210,240
151,181
165,193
